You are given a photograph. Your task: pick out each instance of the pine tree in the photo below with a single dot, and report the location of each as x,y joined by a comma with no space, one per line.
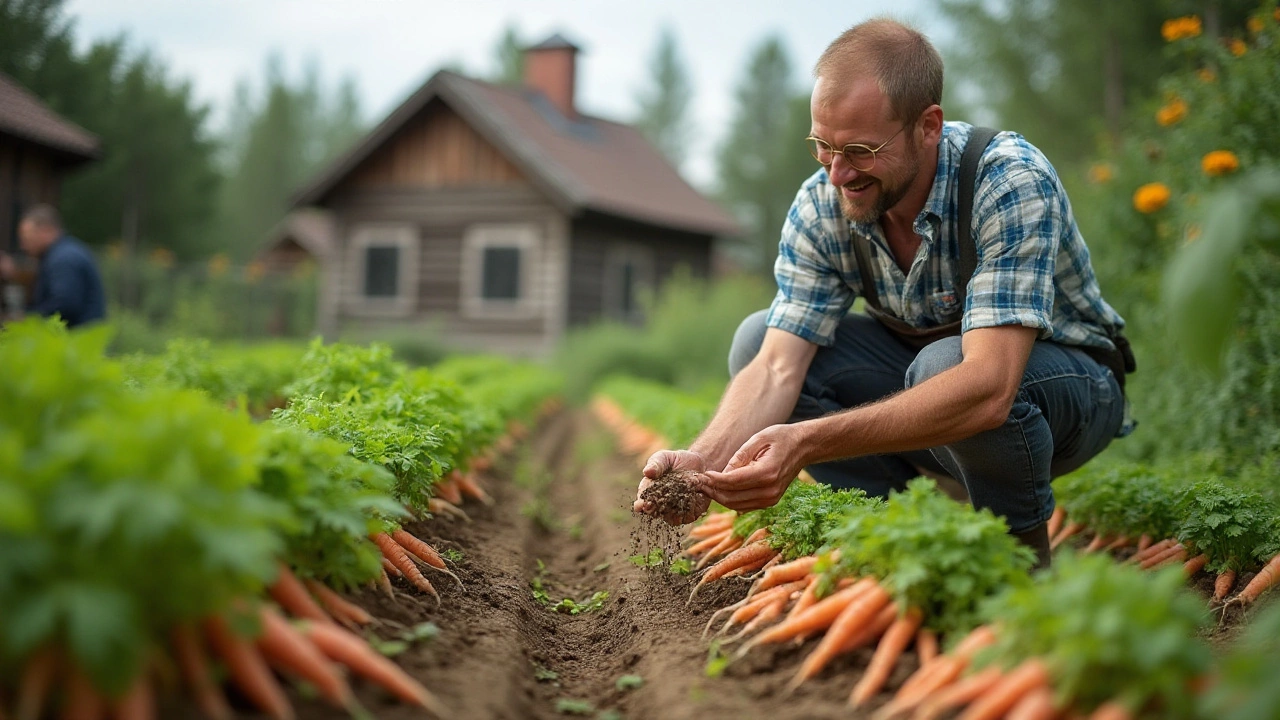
664,104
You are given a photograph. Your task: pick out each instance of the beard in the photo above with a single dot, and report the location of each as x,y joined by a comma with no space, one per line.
890,192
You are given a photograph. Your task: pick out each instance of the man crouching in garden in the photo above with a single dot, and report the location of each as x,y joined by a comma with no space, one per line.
1001,381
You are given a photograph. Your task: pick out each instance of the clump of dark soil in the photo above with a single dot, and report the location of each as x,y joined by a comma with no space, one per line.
672,494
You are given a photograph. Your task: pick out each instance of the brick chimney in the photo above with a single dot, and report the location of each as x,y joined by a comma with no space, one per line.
549,68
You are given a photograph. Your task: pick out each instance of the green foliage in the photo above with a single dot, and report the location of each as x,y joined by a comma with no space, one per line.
404,639
568,706
508,55
1123,498
629,682
1107,631
800,521
1236,528
932,553
664,104
1246,687
676,416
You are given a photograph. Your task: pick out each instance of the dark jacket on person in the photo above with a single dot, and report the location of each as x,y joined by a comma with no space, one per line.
68,284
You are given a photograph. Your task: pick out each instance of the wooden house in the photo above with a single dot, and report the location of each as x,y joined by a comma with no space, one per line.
502,216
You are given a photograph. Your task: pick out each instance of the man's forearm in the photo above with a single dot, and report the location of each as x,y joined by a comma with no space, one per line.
758,397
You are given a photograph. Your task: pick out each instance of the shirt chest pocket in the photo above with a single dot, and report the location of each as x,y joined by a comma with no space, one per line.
944,305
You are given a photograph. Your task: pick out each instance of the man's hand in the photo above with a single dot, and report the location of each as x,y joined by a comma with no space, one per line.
665,461
760,472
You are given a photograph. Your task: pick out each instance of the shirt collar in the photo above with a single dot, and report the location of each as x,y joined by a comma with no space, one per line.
937,205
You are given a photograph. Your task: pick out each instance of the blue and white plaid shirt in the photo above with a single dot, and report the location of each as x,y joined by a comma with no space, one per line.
1033,265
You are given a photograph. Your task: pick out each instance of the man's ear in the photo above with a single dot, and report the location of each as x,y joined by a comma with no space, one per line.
930,125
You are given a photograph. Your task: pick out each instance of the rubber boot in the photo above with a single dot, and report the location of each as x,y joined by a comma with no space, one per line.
1037,538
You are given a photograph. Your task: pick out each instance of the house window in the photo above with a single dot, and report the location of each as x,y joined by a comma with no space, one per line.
499,271
628,277
383,270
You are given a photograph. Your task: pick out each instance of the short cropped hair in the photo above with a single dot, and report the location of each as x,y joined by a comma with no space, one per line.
44,215
905,65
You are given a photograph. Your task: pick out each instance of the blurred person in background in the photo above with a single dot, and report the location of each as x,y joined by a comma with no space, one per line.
67,281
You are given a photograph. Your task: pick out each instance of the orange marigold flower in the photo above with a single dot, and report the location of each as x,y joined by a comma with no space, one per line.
1206,75
254,271
1254,24
1219,162
218,265
1180,28
1100,173
1151,197
1172,112
162,257
1237,47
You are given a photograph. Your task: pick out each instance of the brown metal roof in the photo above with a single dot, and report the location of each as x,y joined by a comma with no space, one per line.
582,164
24,116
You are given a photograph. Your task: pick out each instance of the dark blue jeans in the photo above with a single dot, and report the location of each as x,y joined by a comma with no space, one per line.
1067,411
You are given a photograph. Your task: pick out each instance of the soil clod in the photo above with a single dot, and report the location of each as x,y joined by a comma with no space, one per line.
672,494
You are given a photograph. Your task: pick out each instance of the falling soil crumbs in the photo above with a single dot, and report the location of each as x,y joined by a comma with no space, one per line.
672,494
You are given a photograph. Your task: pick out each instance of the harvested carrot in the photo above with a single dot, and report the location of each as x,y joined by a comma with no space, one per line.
705,545
759,551
773,562
399,557
706,529
1222,586
1179,555
1111,711
816,618
340,609
350,650
389,569
1195,564
138,702
384,582
1144,542
1071,529
1000,699
33,688
1153,549
423,552
959,693
470,488
287,649
807,598
852,618
1121,541
81,701
1171,551
1056,519
918,688
886,656
770,612
747,608
248,669
1266,577
443,508
447,489
482,463
188,651
726,546
926,645
751,569
289,592
1035,705
785,573
872,631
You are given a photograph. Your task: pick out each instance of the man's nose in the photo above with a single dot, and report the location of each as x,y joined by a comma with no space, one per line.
841,172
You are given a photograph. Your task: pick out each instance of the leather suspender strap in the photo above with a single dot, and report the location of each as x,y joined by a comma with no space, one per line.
979,138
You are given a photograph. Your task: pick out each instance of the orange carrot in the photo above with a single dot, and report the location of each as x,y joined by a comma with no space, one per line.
1035,705
389,569
81,701
481,463
728,545
926,645
1226,580
872,631
188,651
1163,555
922,685
1179,554
1152,550
707,528
1111,711
814,619
1000,699
852,618
958,693
886,656
423,552
1195,564
248,669
1122,541
771,611
785,573
747,554
1056,520
287,649
705,545
33,688
1067,532
470,488
350,650
752,568
443,508
138,702
1266,577
747,608
807,598
399,557
447,489
341,609
384,582
1144,542
292,596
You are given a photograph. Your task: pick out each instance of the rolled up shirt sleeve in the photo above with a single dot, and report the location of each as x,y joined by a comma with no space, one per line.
812,295
1017,250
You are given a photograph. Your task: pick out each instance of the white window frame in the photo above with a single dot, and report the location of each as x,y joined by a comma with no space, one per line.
477,239
405,239
641,258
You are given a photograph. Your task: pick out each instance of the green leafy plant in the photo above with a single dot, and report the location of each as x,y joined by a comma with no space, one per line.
569,706
629,682
1235,528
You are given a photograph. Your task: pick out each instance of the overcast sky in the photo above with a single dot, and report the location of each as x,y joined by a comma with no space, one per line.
392,46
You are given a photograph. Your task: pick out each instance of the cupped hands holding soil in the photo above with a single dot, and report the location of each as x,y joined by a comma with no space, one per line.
674,497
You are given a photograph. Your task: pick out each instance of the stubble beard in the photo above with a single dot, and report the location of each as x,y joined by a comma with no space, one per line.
886,198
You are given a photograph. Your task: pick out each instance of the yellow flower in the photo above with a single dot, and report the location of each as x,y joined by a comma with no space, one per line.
1100,173
1219,162
1180,28
254,271
115,251
1254,24
218,265
1172,112
162,257
1237,47
1206,75
1151,197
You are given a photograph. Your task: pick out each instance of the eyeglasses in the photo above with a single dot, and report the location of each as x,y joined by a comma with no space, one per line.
860,157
